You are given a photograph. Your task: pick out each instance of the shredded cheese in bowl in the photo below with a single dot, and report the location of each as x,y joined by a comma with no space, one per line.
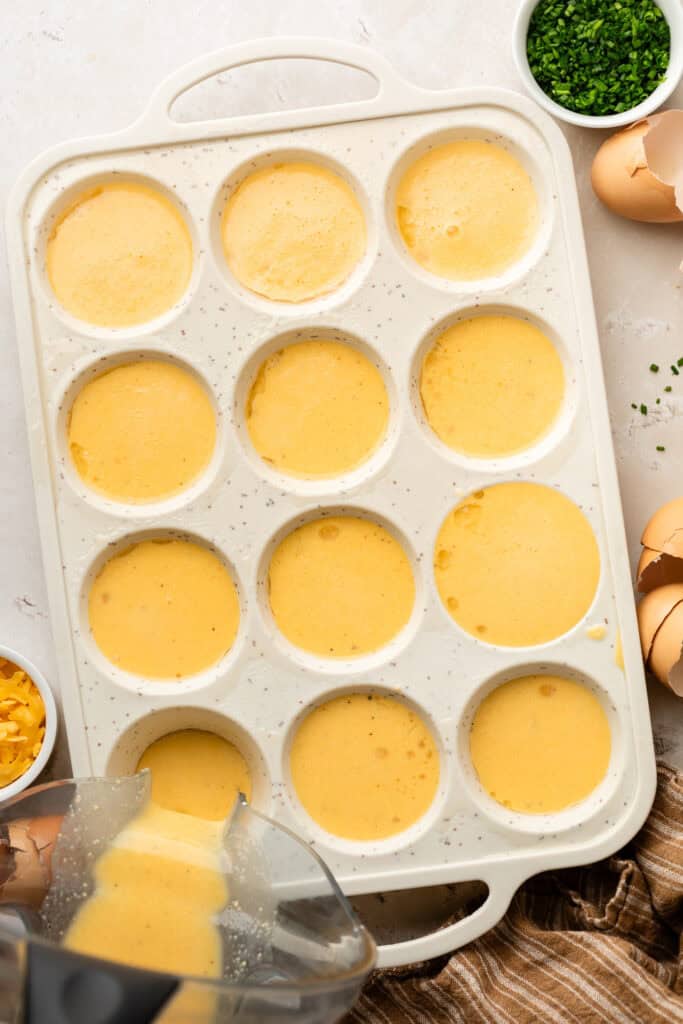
22,722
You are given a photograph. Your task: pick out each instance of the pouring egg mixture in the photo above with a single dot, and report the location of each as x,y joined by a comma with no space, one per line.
160,884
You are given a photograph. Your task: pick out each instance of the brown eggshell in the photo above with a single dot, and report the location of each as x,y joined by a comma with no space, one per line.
28,882
653,610
32,841
675,680
44,832
656,569
622,181
664,532
667,647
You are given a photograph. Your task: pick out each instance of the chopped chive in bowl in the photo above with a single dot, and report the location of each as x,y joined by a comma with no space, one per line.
598,57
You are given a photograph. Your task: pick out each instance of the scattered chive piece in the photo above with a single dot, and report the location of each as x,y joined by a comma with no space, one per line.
675,370
633,405
643,408
654,368
668,388
679,362
598,56
661,448
658,401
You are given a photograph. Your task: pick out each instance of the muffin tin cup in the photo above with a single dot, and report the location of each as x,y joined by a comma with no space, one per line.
389,308
326,300
134,741
141,685
556,432
63,200
308,487
486,130
327,842
88,370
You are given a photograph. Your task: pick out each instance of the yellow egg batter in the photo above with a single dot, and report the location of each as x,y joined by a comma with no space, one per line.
540,743
164,609
158,888
142,431
340,587
196,772
516,564
120,255
618,651
364,766
293,231
317,408
491,385
466,209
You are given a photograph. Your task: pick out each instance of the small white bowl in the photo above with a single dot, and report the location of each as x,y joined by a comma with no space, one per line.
672,11
32,773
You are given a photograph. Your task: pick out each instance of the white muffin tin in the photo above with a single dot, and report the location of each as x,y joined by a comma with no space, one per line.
240,507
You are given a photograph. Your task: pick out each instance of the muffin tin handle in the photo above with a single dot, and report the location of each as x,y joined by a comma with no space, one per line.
502,886
391,87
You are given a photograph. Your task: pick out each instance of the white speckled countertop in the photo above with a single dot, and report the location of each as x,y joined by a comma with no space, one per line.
78,67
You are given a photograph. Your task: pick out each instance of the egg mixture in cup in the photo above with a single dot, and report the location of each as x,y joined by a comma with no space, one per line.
292,230
468,209
118,254
316,411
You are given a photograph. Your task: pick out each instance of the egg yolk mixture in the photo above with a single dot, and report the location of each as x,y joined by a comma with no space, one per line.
196,772
121,255
340,587
317,408
540,744
159,886
142,431
466,209
164,609
293,231
491,386
364,766
516,564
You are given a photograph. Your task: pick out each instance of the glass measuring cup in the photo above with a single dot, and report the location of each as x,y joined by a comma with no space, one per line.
293,948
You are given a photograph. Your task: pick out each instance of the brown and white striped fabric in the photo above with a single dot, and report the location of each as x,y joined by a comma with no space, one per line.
598,944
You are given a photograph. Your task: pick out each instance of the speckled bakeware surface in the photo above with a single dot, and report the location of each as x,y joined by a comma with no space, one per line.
241,508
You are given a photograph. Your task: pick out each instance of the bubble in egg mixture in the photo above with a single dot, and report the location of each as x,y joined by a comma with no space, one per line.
164,609
120,255
293,231
491,385
317,408
466,209
540,743
364,766
516,564
340,587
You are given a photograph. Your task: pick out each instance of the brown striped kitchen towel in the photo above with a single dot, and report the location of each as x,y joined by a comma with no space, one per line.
598,944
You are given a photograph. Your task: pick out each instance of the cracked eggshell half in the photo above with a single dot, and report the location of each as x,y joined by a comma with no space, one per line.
666,657
27,875
656,569
664,532
661,561
660,621
638,172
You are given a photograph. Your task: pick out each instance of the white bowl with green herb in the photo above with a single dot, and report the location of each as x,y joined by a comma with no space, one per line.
599,63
